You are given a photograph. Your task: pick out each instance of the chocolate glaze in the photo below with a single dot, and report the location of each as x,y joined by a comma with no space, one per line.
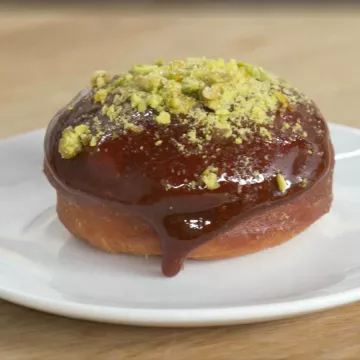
154,181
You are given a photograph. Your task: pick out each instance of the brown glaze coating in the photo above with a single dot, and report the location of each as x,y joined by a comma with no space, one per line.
132,174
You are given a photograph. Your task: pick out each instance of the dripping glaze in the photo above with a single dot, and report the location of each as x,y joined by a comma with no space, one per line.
134,173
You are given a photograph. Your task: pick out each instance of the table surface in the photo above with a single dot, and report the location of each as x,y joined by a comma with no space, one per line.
47,56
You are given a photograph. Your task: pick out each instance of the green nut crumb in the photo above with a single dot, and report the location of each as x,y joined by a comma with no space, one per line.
70,143
255,71
265,132
100,96
100,78
159,62
223,128
211,92
282,98
155,101
304,182
191,135
142,106
112,112
191,85
136,100
209,178
134,128
82,130
163,118
93,141
143,69
259,114
212,97
117,100
193,184
158,143
285,126
281,182
84,133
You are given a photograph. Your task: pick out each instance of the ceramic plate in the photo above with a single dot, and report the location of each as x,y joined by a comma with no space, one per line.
43,267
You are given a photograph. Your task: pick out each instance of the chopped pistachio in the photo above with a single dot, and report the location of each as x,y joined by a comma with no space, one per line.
175,103
82,130
282,98
163,118
143,69
192,184
211,92
265,132
149,83
258,114
281,182
285,126
159,62
100,78
93,141
223,128
129,77
190,85
134,128
304,182
142,106
100,96
211,97
155,101
136,99
192,136
70,143
209,178
257,72
117,100
110,112
158,143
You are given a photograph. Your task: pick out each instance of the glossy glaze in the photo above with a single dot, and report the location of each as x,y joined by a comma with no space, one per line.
155,181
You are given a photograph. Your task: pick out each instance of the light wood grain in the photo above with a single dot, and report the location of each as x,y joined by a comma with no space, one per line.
46,57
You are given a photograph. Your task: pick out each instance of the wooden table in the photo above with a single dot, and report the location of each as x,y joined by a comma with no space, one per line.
45,57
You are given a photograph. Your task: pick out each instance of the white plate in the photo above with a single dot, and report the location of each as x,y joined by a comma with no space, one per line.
43,267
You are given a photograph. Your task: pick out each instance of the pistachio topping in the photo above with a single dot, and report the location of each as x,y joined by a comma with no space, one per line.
265,132
163,118
212,97
100,78
285,126
134,128
304,182
281,182
71,142
209,178
229,90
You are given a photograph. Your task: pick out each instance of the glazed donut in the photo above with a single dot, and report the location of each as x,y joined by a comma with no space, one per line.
196,158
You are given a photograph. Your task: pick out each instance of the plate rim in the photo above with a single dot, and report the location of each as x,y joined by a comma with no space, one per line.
181,317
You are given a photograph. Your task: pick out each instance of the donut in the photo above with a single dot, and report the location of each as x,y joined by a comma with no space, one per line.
195,158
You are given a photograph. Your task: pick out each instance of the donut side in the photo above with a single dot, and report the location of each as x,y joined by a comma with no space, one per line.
116,231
